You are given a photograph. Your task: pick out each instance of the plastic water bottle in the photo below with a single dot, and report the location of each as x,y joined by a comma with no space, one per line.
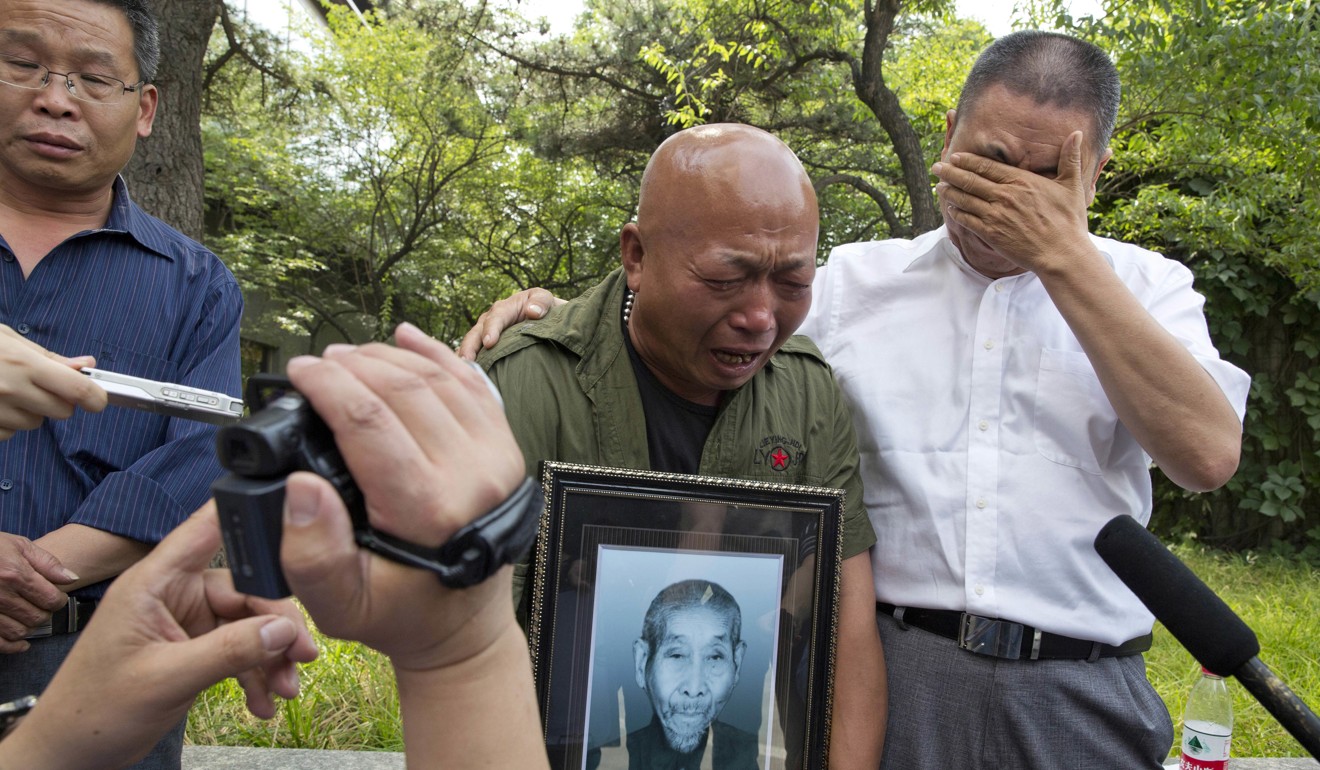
1207,724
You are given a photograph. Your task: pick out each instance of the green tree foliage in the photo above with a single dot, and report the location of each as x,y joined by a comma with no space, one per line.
256,190
1215,165
374,181
853,86
336,182
425,164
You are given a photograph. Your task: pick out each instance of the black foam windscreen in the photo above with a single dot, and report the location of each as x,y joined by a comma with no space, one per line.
1196,617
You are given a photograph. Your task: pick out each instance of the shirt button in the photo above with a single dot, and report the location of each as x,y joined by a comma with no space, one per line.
983,425
6,485
980,590
980,502
989,344
9,257
23,328
999,287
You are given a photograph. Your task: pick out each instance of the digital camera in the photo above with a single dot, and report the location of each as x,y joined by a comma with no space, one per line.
282,435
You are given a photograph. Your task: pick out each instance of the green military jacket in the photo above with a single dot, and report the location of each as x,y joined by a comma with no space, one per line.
570,395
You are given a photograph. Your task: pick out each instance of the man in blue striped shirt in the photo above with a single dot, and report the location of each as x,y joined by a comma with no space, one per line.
85,272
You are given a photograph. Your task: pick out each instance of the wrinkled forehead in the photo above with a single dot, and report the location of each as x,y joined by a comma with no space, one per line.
1008,118
697,623
80,33
1022,133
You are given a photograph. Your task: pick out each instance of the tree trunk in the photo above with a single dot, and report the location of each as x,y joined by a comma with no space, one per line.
869,85
165,174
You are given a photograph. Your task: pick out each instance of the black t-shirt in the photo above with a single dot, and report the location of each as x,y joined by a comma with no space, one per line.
676,429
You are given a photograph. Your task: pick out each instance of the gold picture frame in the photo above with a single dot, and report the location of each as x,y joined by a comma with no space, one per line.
638,575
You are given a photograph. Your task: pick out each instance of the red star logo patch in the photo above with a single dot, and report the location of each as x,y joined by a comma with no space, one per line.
779,459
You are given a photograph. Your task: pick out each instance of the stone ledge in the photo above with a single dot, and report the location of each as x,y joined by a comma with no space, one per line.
1266,763
245,758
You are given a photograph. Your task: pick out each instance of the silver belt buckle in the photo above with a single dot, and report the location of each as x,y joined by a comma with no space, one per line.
43,630
989,636
48,628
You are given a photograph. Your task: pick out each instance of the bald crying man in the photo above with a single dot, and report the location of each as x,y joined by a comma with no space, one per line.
683,360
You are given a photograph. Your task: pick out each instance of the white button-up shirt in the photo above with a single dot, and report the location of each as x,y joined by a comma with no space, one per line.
990,454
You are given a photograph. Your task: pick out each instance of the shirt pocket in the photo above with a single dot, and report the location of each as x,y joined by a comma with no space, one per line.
124,360
114,439
1074,421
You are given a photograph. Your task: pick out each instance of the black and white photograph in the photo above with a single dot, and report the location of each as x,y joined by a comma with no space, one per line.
683,621
682,647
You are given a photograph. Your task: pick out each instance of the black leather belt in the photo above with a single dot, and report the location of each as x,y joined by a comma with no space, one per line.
1006,639
69,619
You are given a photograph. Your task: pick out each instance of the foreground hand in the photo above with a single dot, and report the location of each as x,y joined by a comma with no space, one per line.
35,383
30,577
1033,220
526,305
431,451
167,629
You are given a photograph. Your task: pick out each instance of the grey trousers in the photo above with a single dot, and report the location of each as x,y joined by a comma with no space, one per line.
29,672
949,708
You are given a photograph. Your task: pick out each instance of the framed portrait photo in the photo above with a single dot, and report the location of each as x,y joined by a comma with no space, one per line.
684,621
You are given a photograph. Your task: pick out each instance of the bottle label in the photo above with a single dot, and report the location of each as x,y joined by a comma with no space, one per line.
1204,746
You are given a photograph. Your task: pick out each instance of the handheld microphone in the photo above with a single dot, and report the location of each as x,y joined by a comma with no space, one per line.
1201,622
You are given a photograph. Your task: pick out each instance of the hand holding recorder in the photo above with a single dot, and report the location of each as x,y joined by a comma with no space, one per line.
36,383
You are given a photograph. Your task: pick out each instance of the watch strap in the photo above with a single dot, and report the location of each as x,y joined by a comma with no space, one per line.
478,550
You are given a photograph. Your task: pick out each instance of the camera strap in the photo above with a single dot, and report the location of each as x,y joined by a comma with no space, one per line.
478,550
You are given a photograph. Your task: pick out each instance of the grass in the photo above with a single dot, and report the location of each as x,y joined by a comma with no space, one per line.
349,701
1280,600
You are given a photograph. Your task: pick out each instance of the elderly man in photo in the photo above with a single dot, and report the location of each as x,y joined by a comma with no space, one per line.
684,360
87,276
687,660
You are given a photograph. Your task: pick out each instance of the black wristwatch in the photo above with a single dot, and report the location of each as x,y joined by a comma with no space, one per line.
477,551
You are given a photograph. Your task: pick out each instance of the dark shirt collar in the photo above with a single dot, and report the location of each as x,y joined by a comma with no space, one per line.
129,218
662,756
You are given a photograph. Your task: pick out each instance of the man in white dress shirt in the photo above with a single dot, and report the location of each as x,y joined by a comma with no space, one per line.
1012,377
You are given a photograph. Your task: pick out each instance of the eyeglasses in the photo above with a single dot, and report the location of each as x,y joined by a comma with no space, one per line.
83,86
